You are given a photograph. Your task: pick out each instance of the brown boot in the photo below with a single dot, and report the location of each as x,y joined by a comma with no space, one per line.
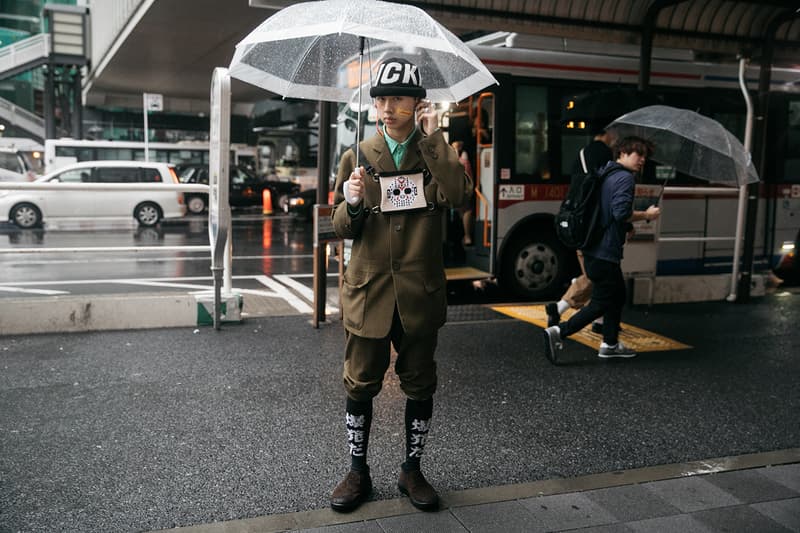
419,491
351,491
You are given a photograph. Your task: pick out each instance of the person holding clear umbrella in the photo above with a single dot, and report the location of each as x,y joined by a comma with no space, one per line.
602,258
391,201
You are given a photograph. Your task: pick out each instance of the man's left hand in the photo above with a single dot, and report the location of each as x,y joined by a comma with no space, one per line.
427,116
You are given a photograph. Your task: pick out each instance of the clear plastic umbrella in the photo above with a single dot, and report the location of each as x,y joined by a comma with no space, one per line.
691,143
311,50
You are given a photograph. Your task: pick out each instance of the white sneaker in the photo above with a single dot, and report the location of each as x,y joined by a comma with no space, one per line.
552,343
618,350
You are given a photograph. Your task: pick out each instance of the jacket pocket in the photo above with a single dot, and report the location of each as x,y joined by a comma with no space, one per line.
437,298
354,299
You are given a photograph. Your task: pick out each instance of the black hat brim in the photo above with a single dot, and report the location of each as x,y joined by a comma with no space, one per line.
418,92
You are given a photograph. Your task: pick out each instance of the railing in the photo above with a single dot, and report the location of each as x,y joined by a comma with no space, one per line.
25,52
704,191
22,118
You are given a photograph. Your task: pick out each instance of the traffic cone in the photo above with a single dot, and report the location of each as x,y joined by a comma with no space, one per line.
266,202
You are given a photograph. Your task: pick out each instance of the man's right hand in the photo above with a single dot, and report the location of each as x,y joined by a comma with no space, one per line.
353,188
653,212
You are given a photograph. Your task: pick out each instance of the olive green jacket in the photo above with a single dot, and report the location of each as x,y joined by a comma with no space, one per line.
396,259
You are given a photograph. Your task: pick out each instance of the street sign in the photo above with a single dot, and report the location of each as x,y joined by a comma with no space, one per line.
219,210
153,102
323,226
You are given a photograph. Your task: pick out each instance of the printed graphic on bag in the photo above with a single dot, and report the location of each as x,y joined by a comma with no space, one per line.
402,192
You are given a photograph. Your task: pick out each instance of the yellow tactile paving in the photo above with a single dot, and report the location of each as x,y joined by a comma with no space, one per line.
465,273
638,339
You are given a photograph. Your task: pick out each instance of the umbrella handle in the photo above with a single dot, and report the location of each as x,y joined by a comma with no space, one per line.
661,194
360,85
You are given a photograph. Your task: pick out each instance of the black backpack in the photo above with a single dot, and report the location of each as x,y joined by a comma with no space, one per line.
578,220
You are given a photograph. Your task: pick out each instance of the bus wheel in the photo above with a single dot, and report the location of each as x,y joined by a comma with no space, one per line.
147,214
535,269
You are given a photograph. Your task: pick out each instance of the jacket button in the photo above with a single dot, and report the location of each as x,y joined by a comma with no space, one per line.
398,227
395,265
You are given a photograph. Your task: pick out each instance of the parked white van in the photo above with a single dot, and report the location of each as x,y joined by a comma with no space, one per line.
148,205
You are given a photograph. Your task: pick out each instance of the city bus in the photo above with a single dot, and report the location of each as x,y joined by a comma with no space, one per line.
61,152
523,150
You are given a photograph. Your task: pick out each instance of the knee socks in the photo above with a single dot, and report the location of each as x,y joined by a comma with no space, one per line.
418,421
358,417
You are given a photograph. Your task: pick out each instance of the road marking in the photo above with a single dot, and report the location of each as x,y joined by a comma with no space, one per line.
281,291
48,292
139,259
638,339
145,283
303,290
280,285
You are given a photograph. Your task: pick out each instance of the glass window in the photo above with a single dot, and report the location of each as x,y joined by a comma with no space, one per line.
791,165
116,175
114,154
531,133
80,154
237,176
184,157
75,176
151,175
10,161
187,174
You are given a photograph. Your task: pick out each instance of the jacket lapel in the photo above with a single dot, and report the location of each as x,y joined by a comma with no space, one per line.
377,153
412,159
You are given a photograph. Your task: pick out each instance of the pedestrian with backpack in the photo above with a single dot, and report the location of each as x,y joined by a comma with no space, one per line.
602,255
594,155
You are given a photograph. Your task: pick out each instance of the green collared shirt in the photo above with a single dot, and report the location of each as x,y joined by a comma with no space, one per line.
398,150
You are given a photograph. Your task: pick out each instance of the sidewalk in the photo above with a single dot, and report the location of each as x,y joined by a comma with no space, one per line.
241,429
721,495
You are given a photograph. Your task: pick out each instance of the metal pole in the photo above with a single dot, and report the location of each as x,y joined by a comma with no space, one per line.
358,114
49,102
323,171
77,104
146,134
742,209
227,278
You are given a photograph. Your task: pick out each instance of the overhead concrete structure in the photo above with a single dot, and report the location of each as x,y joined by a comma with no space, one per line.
172,46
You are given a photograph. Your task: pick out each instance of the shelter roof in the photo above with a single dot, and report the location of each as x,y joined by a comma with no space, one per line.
175,46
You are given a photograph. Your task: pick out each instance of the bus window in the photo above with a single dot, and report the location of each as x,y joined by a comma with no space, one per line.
531,132
791,166
111,154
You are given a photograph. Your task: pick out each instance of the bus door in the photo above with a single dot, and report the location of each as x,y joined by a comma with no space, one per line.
481,254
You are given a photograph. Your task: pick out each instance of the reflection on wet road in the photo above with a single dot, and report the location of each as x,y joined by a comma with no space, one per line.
261,246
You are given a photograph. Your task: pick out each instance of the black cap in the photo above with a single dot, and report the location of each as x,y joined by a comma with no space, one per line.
397,77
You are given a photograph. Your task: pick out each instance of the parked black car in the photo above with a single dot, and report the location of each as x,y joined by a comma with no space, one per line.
246,189
301,204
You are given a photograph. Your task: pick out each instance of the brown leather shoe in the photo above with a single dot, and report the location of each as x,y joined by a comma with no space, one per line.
414,485
351,491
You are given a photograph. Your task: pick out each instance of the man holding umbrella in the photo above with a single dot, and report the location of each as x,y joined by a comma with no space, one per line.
391,200
602,258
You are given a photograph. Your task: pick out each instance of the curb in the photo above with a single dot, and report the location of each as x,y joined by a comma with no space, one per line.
75,313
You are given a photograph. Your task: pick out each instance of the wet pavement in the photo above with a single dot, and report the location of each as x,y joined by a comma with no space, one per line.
147,430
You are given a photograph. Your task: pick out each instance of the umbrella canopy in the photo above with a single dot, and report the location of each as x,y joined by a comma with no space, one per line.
311,50
692,143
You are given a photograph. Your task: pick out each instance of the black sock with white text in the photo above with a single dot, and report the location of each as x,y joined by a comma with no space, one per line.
358,417
418,421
